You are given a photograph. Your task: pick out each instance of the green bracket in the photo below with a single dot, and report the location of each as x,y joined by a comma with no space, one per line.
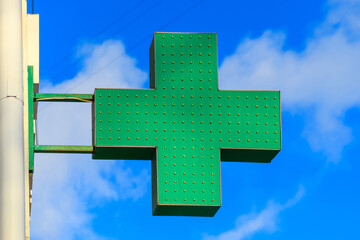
63,149
51,97
31,117
56,97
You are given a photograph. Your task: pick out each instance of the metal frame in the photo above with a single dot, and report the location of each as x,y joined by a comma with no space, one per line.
251,153
51,97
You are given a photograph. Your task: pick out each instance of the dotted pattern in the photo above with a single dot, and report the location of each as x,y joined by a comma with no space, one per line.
187,118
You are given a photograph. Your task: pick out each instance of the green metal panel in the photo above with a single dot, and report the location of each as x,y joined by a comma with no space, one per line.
62,149
185,124
57,97
31,117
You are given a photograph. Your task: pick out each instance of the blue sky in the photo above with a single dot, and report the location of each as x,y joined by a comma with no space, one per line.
310,50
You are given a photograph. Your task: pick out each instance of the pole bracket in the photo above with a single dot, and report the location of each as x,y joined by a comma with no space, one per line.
63,149
59,97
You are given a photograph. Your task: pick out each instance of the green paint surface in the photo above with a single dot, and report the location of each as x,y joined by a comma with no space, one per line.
30,70
185,125
56,97
63,149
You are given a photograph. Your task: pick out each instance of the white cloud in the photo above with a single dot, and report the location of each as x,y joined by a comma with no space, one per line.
322,80
66,187
264,221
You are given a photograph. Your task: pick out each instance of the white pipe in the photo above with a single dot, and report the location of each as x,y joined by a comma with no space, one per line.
12,200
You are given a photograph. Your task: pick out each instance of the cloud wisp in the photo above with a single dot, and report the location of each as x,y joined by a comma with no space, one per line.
67,187
264,221
321,81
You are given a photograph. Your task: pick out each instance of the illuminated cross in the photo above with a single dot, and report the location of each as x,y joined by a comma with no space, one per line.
185,125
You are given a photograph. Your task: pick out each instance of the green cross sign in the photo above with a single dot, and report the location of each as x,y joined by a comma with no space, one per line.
185,124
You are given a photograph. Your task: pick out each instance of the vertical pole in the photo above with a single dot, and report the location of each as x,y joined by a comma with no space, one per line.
12,200
25,52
